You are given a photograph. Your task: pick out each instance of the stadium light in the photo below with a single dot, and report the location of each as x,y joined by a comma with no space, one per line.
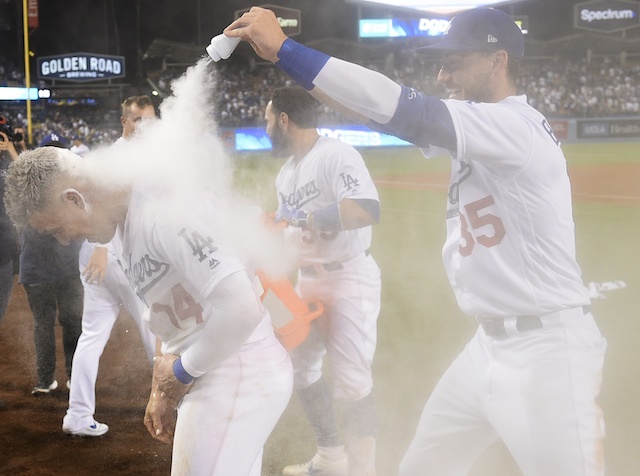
441,7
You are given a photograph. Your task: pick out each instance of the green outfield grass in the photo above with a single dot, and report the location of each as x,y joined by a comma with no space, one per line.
421,328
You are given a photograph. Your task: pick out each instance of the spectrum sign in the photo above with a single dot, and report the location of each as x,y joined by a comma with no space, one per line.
607,15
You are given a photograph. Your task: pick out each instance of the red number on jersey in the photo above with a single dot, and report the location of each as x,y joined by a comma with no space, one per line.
184,305
477,221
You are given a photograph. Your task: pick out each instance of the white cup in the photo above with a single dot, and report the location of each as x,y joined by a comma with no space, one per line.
221,47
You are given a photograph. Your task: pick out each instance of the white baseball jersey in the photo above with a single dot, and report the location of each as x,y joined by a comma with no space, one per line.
174,255
331,171
510,246
173,261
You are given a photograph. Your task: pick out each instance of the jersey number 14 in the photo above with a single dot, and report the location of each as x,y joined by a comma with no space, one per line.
184,307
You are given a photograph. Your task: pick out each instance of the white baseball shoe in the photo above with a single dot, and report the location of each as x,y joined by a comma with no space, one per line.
319,466
40,389
96,429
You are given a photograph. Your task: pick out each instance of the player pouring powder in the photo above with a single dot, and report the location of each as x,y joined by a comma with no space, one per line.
531,373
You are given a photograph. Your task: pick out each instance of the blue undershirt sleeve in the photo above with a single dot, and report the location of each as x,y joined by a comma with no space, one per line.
372,207
421,120
301,63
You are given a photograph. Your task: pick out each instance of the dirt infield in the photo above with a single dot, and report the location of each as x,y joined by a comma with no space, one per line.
31,439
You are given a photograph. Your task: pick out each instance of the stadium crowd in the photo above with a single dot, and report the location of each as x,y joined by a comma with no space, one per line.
557,87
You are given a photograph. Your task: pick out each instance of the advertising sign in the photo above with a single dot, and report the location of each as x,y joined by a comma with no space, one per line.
290,19
256,138
32,14
607,15
618,128
397,27
410,27
560,128
80,67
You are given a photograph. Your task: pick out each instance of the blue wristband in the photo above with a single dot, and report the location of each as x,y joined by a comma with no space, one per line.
181,374
300,62
327,219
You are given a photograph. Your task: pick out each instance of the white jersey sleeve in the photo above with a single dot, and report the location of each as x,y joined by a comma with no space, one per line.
481,133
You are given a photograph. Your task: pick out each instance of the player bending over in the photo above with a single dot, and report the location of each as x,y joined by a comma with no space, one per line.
222,366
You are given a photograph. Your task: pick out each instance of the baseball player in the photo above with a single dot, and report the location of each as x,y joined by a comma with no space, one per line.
327,197
222,366
531,373
106,291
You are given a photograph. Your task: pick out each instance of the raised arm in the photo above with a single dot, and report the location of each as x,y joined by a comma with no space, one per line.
358,92
361,94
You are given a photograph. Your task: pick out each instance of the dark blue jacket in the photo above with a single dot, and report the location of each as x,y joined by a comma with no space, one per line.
43,260
8,234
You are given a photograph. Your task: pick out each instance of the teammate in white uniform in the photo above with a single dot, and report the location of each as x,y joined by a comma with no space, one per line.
222,366
533,370
106,290
326,194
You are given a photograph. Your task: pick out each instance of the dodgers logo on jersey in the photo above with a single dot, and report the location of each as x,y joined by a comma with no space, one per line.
349,182
144,273
200,246
301,195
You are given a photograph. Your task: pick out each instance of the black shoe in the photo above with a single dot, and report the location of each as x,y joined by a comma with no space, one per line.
41,390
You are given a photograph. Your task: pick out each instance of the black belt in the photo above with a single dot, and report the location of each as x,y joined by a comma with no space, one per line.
312,270
495,327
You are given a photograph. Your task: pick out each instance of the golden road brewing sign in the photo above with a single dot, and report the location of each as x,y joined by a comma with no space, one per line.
80,67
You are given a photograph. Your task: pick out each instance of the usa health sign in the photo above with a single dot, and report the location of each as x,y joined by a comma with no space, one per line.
80,67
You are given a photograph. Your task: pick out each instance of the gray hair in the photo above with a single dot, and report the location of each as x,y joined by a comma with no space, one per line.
32,179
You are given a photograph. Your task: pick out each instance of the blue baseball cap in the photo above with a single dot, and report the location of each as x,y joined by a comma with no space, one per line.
480,29
54,140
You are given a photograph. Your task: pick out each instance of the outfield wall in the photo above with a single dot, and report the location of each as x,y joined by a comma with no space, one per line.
615,129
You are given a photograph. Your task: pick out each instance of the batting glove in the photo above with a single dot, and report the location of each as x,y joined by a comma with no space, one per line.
292,216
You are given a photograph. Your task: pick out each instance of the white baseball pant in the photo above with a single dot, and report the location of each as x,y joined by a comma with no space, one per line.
228,414
102,304
347,330
536,391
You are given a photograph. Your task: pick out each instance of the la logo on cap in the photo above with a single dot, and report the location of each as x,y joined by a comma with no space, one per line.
491,39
